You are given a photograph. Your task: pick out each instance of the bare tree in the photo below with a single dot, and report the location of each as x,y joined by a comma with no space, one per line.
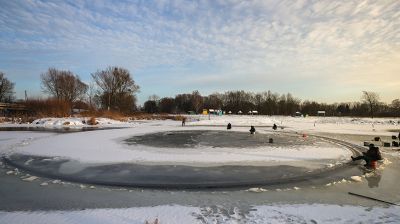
183,102
213,101
395,105
63,85
6,88
154,97
115,85
91,93
167,105
197,101
150,106
372,99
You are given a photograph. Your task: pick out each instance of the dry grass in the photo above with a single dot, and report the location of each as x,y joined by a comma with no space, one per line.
134,116
41,108
145,116
107,114
92,121
48,107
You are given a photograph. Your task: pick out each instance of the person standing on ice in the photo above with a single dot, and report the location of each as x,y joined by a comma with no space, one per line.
252,130
373,154
275,127
183,121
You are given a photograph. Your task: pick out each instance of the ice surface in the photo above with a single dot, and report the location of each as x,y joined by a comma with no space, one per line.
107,146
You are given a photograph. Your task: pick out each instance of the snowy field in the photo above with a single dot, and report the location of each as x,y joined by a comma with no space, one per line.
106,146
344,125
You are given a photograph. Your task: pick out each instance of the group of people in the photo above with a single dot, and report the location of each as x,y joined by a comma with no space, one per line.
252,128
371,155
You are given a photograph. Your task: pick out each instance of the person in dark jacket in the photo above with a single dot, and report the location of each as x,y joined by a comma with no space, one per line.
183,121
373,154
252,130
275,127
229,126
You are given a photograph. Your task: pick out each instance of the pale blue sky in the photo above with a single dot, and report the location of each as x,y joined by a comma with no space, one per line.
319,50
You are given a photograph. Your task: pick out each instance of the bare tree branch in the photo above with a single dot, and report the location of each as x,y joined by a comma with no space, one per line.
117,87
372,99
63,85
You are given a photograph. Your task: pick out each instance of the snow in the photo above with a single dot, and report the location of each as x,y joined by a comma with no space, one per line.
356,178
257,190
344,125
11,140
320,213
107,146
165,214
73,121
30,179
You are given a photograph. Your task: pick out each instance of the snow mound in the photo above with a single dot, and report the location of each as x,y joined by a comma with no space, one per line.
73,121
257,190
58,121
356,178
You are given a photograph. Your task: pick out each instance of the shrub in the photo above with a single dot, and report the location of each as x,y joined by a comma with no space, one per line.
92,121
48,107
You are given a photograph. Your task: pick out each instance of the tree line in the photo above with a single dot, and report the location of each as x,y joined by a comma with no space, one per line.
114,89
269,103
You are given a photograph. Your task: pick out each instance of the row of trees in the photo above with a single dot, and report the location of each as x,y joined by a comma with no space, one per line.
113,88
269,103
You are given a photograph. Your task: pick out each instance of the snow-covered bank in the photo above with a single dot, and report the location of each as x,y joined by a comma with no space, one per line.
75,121
169,214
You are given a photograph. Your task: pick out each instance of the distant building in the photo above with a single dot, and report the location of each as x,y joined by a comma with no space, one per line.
298,114
253,112
321,113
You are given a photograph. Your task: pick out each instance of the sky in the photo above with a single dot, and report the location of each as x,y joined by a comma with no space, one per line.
328,51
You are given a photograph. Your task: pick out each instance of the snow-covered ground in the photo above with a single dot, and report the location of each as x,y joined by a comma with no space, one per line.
107,146
344,125
176,214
